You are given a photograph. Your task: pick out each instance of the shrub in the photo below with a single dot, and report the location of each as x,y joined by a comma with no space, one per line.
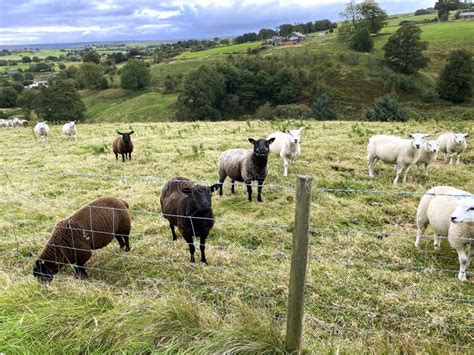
455,82
429,95
266,111
361,41
323,108
62,66
292,111
8,97
386,109
401,82
91,76
444,17
135,75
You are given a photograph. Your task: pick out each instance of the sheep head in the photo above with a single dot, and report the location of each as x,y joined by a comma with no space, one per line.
261,147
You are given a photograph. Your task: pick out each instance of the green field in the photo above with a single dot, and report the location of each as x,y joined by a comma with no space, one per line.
363,294
236,48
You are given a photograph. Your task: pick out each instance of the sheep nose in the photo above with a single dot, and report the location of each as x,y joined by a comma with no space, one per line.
417,146
453,219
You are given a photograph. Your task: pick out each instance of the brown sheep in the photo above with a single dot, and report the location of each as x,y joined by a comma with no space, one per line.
123,145
182,197
91,227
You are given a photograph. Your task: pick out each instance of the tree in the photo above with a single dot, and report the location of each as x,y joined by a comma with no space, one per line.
351,12
26,59
91,76
135,75
91,57
285,29
36,59
246,37
455,82
361,41
404,50
62,66
373,17
59,101
285,86
266,33
323,108
444,6
203,90
386,109
8,97
18,76
26,101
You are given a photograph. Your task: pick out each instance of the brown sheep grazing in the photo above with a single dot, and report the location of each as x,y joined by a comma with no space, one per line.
189,207
123,145
91,227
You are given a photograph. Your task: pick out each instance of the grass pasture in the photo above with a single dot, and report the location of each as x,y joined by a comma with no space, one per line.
361,292
235,48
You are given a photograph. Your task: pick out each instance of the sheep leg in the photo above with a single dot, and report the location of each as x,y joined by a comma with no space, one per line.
232,186
427,167
437,241
126,239
371,165
422,224
399,171
80,272
285,163
249,189
260,186
192,249
123,158
221,182
120,241
457,159
116,156
175,238
405,173
130,156
202,247
463,262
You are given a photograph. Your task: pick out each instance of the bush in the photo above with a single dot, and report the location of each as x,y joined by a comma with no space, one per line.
8,97
444,17
62,66
455,82
135,75
266,111
386,109
323,108
401,82
91,76
361,41
429,95
292,111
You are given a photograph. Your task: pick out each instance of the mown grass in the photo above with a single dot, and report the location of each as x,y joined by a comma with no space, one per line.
364,294
235,48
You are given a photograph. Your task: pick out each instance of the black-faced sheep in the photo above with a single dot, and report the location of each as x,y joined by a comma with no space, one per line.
73,239
246,166
189,207
123,145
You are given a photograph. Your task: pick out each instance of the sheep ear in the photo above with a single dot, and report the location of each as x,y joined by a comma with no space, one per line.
288,131
186,191
466,135
301,129
251,140
410,136
214,187
427,135
120,133
131,132
271,140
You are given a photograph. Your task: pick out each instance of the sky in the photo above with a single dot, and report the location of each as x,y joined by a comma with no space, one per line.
66,21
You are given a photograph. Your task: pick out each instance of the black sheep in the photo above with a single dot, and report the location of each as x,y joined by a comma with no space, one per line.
123,145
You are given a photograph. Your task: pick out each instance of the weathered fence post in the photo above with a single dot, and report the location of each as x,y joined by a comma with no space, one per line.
299,260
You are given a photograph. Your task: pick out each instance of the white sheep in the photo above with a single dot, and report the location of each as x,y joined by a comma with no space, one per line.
435,209
394,150
42,130
461,233
287,146
70,130
16,122
8,123
428,154
23,123
452,144
3,123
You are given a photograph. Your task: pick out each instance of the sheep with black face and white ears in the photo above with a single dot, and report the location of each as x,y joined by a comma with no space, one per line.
452,144
287,146
395,150
123,145
189,207
74,238
246,166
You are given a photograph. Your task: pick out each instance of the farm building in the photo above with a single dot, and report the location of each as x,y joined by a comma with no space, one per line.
276,40
296,37
466,15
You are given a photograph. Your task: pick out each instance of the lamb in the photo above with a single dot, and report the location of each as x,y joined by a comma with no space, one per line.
23,123
123,145
435,209
70,130
452,144
428,154
42,130
461,233
189,207
16,122
394,150
246,166
287,146
91,227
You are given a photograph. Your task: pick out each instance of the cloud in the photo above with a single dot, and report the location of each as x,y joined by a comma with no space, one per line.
50,21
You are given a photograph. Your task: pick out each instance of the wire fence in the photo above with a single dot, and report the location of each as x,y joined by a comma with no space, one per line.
353,258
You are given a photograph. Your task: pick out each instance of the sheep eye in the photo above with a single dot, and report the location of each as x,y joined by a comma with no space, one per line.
470,209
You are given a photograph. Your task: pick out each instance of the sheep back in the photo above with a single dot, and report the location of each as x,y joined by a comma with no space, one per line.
392,149
238,165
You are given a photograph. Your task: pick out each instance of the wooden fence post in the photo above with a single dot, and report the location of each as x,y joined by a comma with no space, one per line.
299,261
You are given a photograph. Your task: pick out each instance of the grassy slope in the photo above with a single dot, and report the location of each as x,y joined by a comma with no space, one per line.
155,300
236,48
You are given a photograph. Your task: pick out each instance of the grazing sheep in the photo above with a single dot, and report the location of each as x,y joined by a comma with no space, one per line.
123,145
91,227
42,130
394,150
9,123
428,154
287,146
70,130
435,209
189,207
461,233
3,123
24,123
246,166
452,144
16,122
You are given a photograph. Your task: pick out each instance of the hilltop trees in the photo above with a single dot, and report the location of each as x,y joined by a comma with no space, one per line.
91,57
361,41
365,14
246,37
404,50
135,75
26,101
266,33
58,101
91,76
455,82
